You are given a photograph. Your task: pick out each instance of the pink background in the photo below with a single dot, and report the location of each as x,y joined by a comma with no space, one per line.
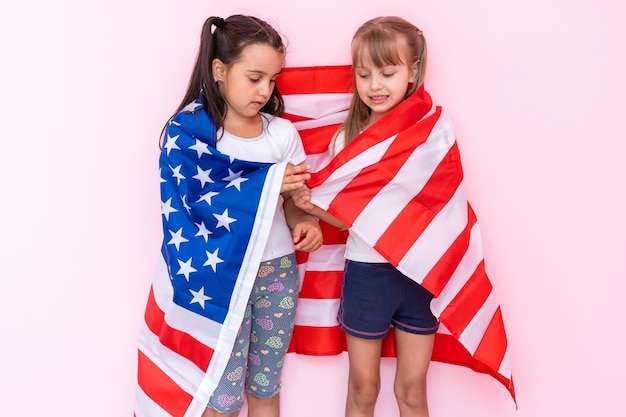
536,90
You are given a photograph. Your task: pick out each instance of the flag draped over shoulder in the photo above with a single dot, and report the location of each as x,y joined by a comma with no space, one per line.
216,212
399,186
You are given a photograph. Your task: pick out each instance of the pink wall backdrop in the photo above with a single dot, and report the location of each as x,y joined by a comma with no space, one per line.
536,90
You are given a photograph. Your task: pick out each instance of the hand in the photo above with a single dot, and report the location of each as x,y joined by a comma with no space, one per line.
307,234
302,199
295,176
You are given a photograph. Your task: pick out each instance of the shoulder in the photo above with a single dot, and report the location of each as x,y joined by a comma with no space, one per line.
337,143
194,122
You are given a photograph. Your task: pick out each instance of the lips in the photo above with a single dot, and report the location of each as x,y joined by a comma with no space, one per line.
378,99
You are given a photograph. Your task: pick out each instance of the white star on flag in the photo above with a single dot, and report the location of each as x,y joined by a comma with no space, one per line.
170,143
199,297
176,173
166,208
203,231
212,260
185,268
177,238
201,148
207,197
191,107
185,205
234,179
203,176
223,220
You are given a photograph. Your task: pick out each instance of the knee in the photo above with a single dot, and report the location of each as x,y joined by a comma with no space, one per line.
365,393
412,396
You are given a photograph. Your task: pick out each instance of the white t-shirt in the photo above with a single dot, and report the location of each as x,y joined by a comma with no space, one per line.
356,248
278,142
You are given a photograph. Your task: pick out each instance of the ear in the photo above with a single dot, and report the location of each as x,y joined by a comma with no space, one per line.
414,71
219,69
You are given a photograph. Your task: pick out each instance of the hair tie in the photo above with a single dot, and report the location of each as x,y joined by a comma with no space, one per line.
219,22
419,32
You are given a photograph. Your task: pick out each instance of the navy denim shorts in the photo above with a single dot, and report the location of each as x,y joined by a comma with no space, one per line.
375,296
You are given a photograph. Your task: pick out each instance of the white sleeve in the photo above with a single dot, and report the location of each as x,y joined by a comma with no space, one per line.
337,143
294,150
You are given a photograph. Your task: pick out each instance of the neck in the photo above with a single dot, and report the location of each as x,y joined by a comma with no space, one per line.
244,127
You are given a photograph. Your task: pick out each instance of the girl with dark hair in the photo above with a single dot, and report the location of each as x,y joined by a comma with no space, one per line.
228,164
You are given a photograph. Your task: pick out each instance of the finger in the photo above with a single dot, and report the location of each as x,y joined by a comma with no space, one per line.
291,186
296,177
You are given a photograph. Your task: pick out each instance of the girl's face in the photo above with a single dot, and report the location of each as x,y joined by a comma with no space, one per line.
247,84
383,88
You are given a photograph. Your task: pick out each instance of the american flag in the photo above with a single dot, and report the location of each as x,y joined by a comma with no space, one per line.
399,185
216,216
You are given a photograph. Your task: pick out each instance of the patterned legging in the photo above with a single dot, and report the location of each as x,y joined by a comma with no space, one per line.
259,351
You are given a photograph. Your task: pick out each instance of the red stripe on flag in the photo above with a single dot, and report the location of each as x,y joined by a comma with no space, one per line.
315,140
321,284
464,306
308,340
180,342
315,80
161,388
492,347
333,235
417,215
440,274
449,350
301,257
294,117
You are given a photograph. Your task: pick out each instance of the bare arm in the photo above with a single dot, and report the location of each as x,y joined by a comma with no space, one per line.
302,200
305,228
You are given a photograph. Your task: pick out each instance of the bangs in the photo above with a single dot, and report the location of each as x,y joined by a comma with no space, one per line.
379,46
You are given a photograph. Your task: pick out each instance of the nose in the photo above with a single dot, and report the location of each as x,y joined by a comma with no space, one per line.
265,89
375,83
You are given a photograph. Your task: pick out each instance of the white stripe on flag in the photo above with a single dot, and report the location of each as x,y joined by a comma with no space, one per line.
443,329
333,119
505,366
317,106
327,258
472,258
318,161
317,312
475,330
435,240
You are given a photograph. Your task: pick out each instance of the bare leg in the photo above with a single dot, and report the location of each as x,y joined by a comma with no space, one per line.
364,376
414,355
263,407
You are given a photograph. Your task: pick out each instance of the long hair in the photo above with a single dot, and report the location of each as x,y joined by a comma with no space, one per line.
378,40
225,39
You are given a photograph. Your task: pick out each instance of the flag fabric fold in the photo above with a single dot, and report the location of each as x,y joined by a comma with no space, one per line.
399,186
216,216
